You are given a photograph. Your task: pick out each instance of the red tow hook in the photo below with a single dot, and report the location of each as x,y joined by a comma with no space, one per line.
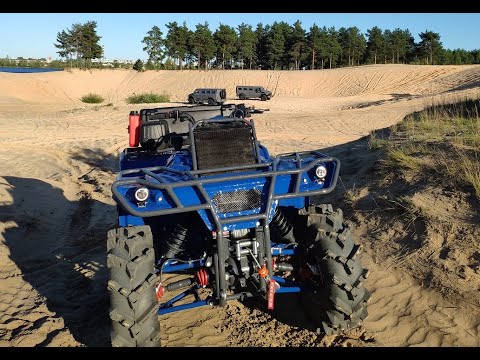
271,294
272,286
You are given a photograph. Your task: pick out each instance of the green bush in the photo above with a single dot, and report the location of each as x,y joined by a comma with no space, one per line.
147,98
138,65
92,98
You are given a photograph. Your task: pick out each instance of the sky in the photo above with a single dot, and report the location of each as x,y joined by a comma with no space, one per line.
33,35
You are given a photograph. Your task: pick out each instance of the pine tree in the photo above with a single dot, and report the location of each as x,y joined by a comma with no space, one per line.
374,44
246,44
430,45
314,44
225,41
65,45
332,46
81,39
154,46
177,42
203,44
297,44
275,45
261,50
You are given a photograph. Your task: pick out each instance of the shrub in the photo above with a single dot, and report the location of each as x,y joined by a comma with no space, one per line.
147,98
92,98
138,65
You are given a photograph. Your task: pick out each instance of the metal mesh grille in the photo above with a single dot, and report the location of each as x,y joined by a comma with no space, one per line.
219,147
238,200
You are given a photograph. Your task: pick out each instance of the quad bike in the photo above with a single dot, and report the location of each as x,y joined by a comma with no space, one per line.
197,194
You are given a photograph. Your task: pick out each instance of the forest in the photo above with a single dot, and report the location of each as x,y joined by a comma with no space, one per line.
279,46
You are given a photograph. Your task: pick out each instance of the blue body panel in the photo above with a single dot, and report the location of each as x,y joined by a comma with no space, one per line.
142,160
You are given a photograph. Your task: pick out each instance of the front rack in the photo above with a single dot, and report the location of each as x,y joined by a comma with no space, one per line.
197,182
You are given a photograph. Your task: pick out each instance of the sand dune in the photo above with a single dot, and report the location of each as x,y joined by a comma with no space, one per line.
115,86
58,158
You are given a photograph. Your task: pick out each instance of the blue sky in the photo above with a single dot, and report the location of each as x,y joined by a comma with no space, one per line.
33,35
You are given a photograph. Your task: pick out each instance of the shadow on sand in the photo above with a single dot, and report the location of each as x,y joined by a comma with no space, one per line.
59,246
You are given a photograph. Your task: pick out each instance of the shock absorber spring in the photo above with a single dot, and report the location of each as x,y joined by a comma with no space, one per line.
282,226
175,243
202,277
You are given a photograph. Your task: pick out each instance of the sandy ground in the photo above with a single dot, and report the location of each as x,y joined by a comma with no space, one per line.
58,158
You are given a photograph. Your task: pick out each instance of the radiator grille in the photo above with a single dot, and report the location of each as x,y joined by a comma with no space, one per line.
219,147
238,200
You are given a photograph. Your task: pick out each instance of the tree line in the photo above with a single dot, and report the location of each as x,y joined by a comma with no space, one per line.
276,46
21,62
285,46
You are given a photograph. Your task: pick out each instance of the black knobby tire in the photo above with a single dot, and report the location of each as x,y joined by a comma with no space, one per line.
211,101
339,299
223,94
239,114
133,304
263,97
191,100
242,96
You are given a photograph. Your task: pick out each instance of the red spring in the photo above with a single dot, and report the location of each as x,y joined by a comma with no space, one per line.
202,277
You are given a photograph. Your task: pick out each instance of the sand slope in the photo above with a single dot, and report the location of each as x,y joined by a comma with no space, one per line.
116,85
58,158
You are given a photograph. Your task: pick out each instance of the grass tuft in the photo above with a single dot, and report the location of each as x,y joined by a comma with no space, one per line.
92,98
147,98
443,141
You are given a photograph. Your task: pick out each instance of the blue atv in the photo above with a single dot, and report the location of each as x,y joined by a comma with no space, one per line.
197,194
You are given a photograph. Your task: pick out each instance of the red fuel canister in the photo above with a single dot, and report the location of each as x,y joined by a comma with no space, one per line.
134,129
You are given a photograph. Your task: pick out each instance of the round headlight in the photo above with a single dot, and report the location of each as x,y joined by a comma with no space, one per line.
141,194
321,171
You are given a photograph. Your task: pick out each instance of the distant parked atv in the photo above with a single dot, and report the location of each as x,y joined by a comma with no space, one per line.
198,194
